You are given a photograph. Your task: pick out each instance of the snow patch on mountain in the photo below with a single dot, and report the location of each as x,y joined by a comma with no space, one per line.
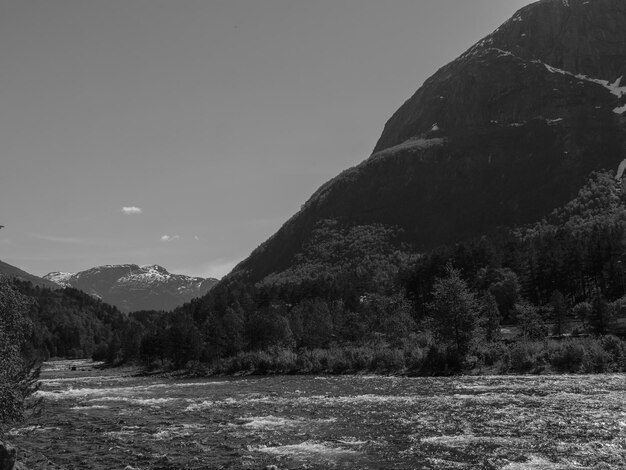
147,274
60,278
487,44
614,88
620,110
552,122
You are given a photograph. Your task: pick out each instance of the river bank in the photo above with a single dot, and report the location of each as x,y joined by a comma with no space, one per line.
584,355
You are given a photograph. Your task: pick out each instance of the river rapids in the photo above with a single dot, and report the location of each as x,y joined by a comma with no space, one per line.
111,419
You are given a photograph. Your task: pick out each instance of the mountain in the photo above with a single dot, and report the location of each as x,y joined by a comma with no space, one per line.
16,273
501,136
131,287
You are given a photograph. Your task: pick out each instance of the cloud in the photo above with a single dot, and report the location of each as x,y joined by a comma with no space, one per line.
169,238
196,238
130,210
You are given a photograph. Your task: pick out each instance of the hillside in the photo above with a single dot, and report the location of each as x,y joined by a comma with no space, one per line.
501,136
16,273
69,323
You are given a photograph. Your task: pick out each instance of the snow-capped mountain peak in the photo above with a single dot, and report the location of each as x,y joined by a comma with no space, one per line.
132,287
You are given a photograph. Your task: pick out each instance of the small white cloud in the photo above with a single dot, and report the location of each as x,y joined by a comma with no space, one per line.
132,210
169,238
196,238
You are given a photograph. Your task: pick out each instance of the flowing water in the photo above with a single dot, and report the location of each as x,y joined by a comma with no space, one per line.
109,419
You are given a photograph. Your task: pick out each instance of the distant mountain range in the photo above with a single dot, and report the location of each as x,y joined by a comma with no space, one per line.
131,287
501,136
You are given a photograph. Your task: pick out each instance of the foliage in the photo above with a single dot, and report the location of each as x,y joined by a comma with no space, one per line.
363,256
69,323
503,285
490,317
356,299
453,310
559,312
530,321
18,378
350,292
601,317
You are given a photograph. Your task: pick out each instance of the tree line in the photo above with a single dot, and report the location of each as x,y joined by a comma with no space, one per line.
357,299
550,296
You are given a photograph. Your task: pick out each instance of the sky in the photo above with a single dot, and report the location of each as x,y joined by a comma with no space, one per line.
186,132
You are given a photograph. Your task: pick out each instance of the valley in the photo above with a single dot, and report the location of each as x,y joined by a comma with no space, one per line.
456,300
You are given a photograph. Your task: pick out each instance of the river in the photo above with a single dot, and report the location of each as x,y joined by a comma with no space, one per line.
110,419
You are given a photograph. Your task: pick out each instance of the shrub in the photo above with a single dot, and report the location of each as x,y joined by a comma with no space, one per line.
526,356
414,358
338,361
388,360
567,355
595,359
284,361
440,361
360,358
616,348
489,353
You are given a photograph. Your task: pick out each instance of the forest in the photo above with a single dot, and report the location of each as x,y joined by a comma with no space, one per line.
544,298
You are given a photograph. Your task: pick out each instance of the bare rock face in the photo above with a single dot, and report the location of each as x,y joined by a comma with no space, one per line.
581,36
499,137
547,60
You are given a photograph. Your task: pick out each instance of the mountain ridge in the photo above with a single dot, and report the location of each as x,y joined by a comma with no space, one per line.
17,273
131,287
495,138
534,35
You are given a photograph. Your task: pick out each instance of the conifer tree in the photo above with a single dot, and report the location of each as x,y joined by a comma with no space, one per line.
600,318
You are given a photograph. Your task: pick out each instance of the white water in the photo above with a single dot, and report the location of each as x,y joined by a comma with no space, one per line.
95,419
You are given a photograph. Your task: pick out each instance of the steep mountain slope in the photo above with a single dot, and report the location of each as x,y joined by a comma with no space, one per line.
499,137
131,287
16,273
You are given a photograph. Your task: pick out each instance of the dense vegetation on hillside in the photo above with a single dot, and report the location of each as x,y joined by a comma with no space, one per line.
550,296
546,297
70,323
